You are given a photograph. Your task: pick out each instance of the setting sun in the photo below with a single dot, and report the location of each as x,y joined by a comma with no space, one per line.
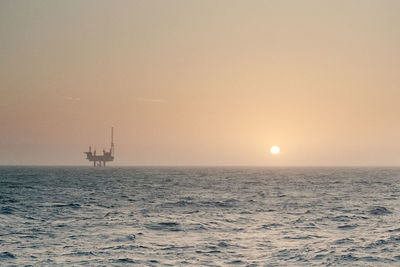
275,150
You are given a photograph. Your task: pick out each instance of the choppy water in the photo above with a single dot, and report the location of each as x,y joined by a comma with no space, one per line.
199,216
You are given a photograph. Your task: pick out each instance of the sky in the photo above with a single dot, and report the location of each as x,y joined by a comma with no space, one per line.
201,82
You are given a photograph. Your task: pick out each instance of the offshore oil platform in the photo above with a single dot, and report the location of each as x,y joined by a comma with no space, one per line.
100,160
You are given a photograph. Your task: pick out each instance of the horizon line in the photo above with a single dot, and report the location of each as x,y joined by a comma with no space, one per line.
204,166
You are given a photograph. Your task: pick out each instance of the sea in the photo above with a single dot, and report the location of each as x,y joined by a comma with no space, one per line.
199,216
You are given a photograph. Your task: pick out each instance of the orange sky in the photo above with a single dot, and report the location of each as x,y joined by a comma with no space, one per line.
200,82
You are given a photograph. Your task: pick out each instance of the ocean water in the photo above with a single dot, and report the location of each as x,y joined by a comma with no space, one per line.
199,216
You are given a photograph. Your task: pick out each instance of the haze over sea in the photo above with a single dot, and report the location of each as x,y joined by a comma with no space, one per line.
169,216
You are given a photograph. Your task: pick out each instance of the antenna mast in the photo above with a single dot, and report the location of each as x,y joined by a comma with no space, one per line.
112,141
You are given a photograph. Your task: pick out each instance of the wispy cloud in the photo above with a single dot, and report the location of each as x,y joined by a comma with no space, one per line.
73,99
150,100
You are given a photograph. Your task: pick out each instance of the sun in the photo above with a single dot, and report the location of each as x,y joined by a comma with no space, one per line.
275,150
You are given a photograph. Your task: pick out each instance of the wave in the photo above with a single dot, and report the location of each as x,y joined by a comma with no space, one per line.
208,252
130,237
125,260
303,237
7,210
343,241
351,258
227,203
80,253
164,226
378,210
347,226
173,247
70,205
236,262
270,226
7,255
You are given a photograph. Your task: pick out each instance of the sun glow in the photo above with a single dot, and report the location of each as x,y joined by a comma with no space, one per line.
275,150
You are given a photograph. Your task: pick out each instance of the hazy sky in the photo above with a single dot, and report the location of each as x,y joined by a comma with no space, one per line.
201,82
